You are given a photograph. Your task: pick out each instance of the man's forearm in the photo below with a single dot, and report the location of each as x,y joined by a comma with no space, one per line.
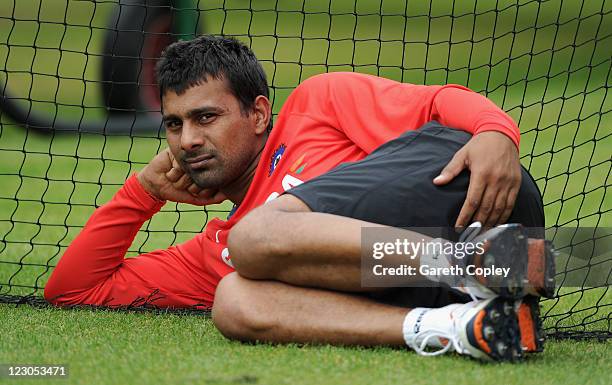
101,245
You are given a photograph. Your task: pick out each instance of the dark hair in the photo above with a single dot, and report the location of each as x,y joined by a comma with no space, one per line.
185,64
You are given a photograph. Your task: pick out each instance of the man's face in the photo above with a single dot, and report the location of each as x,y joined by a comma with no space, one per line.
210,137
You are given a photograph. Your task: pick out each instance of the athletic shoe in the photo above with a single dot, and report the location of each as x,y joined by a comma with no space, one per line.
528,315
530,262
541,268
488,330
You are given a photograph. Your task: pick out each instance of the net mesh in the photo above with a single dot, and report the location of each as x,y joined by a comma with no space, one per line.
79,111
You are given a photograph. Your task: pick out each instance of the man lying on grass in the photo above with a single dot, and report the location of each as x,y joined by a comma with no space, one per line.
290,270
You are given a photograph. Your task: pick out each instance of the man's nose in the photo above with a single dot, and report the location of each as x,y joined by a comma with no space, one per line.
191,137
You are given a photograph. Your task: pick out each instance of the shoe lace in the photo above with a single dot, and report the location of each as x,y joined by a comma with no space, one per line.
451,335
469,290
427,335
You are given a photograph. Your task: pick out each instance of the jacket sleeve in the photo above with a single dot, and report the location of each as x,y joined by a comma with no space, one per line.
94,270
371,110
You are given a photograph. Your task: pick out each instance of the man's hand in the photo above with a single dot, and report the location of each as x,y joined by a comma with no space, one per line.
495,179
164,179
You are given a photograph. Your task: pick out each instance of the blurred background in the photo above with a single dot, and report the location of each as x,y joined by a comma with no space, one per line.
80,109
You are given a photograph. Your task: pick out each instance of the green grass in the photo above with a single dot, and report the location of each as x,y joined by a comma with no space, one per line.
103,347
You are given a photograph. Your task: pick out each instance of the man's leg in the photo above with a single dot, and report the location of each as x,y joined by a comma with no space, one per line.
283,240
270,311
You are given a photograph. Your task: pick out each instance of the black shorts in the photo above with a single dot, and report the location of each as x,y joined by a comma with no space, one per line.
393,186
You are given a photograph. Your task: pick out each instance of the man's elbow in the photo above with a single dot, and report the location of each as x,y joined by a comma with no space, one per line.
255,243
58,292
51,292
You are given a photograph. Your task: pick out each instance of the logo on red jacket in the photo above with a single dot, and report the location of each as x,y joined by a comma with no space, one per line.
298,166
276,157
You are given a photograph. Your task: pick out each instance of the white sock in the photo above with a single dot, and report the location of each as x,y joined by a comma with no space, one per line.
422,319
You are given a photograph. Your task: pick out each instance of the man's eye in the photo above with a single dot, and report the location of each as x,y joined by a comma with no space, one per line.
205,118
173,124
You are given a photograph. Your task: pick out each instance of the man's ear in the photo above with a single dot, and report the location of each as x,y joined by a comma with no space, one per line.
262,109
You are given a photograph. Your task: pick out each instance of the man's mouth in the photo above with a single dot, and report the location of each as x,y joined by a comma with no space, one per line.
198,162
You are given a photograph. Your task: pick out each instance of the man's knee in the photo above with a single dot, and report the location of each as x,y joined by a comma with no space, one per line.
258,243
251,246
236,309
